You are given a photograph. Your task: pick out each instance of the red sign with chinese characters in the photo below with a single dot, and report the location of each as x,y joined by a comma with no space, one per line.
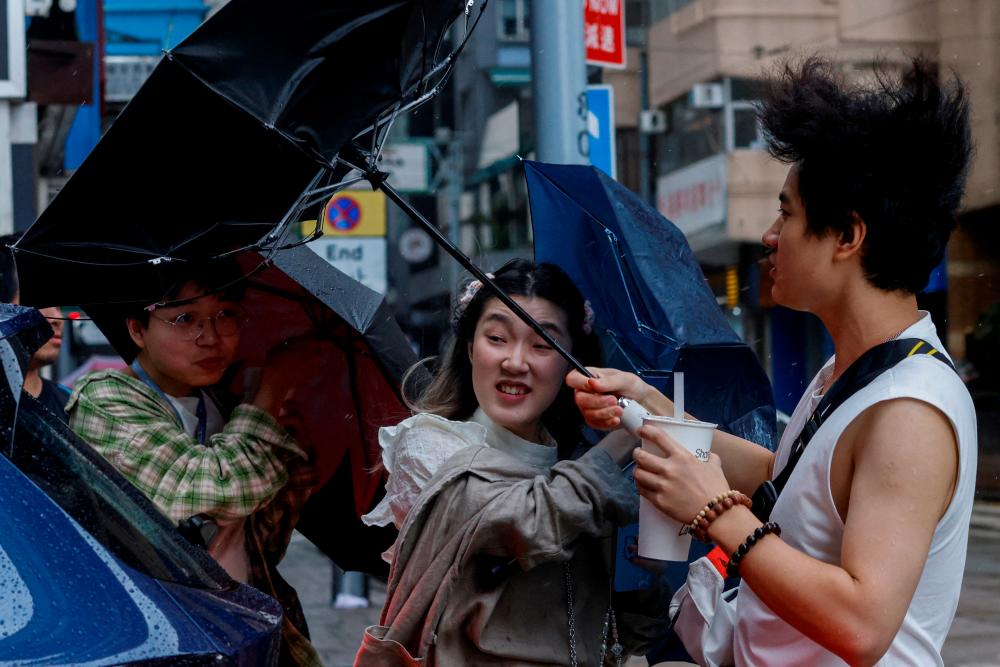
604,32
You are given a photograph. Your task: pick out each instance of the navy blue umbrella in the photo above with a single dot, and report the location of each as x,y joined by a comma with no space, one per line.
655,312
655,315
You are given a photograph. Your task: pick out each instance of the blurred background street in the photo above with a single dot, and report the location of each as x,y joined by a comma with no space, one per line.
659,94
974,640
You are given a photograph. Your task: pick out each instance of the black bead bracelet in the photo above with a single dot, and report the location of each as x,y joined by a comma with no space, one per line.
769,528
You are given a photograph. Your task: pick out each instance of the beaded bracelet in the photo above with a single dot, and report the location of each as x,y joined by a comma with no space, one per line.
716,506
769,528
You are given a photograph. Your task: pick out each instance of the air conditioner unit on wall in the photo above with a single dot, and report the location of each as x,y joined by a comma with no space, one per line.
706,96
652,121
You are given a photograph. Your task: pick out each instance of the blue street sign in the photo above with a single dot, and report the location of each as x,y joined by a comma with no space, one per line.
601,128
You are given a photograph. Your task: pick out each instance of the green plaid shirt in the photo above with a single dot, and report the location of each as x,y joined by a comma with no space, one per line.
229,477
252,469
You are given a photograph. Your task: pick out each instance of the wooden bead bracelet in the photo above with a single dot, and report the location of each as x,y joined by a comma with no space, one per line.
716,506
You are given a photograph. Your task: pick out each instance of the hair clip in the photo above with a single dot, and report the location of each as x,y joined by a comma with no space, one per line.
469,294
588,318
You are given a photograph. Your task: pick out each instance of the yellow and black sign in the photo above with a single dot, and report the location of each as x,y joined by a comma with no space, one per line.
352,213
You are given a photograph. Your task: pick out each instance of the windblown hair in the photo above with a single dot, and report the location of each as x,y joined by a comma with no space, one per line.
450,393
896,155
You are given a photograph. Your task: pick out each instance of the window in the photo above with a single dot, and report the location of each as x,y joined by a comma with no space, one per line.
661,9
744,90
743,94
514,20
746,132
692,135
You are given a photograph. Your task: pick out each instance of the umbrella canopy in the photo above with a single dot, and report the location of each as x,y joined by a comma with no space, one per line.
655,315
652,304
342,405
221,141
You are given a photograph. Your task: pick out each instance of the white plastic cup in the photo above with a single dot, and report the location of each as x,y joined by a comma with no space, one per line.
659,535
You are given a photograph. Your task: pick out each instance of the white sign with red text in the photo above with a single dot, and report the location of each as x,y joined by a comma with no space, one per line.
694,197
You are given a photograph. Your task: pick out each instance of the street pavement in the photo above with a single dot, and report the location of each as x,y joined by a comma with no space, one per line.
974,640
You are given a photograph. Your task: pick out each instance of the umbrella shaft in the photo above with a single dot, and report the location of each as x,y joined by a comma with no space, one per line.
462,259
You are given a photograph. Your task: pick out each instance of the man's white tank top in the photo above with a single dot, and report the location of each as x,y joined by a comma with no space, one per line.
810,522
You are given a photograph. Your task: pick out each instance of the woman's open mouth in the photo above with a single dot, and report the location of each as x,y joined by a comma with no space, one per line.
513,389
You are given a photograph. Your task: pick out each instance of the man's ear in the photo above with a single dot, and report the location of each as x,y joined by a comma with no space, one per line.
137,332
851,240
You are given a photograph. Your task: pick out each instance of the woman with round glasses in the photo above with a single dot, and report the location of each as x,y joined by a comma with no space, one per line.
163,427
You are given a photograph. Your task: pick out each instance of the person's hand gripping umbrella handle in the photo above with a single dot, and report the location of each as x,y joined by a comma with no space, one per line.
632,415
610,399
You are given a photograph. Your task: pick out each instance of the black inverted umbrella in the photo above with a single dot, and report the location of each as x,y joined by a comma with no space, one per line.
237,129
235,135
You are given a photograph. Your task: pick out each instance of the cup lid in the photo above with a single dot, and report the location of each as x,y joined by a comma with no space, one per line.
656,419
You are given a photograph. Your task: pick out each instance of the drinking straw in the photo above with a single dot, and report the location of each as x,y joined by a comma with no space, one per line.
679,396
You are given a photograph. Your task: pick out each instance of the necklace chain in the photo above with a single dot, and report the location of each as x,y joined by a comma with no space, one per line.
617,650
894,336
570,614
834,376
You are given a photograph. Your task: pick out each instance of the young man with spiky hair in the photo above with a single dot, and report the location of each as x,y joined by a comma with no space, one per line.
862,556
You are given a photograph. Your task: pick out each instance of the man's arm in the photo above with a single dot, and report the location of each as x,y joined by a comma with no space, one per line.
905,462
746,464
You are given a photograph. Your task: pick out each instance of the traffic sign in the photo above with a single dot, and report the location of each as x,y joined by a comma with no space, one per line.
361,258
353,213
604,32
415,245
601,128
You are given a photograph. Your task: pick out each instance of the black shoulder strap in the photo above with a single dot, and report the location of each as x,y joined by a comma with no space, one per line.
859,375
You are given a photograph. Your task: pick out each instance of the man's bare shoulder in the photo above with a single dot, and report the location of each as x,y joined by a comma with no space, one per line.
905,445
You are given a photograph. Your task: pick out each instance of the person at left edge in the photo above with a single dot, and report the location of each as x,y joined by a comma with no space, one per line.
49,393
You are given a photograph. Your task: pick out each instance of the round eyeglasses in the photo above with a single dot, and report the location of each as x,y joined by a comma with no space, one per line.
227,322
